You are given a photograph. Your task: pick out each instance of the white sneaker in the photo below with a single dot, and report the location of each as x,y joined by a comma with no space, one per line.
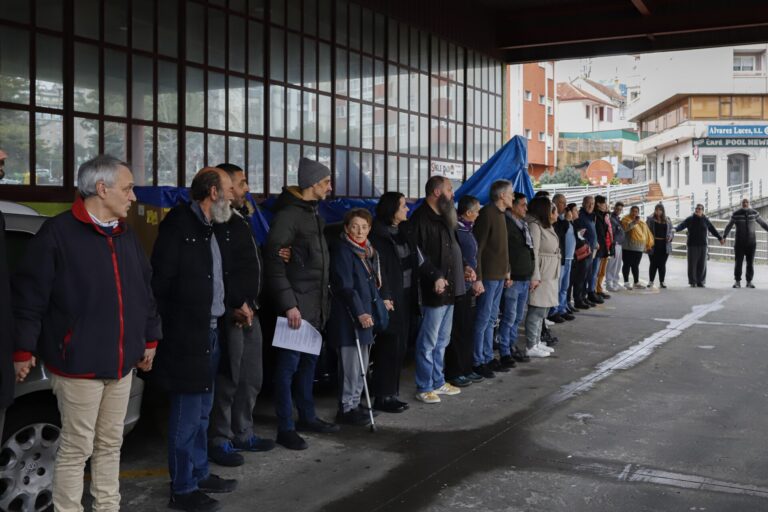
627,286
545,347
639,286
653,286
537,352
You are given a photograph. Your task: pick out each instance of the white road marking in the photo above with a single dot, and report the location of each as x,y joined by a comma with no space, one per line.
749,326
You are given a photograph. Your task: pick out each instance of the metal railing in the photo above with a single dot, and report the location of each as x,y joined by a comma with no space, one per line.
723,252
635,192
719,199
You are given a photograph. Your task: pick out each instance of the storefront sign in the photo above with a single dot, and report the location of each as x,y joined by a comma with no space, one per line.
730,143
450,170
727,130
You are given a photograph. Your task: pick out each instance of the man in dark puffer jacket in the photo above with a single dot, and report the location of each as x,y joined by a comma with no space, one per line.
299,289
745,219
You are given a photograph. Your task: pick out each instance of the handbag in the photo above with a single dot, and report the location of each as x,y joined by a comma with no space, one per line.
380,314
582,252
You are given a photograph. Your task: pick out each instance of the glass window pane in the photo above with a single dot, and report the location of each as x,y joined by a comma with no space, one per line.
310,117
16,146
392,130
255,48
423,175
115,136
414,48
236,151
354,75
115,83
309,152
413,95
86,17
403,103
353,171
424,52
195,148
310,17
217,106
460,142
195,97
217,145
379,129
341,122
167,92
378,174
143,25
115,21
86,140
324,119
256,8
403,44
379,81
276,166
324,21
392,173
236,43
294,14
143,94
354,124
294,114
294,59
167,35
367,31
402,181
256,166
392,46
402,131
366,171
340,181
341,23
167,156
367,127
49,88
324,54
86,93
49,150
341,71
392,86
277,12
380,35
142,156
310,63
413,132
424,94
15,10
236,104
413,178
354,26
277,55
423,136
277,111
216,35
470,145
324,156
14,66
195,27
256,108
292,157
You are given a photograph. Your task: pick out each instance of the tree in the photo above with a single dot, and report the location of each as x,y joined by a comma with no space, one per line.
569,176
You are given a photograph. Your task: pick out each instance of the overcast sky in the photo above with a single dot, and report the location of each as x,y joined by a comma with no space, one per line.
602,68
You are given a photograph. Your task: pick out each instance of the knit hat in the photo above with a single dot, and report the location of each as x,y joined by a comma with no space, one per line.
311,172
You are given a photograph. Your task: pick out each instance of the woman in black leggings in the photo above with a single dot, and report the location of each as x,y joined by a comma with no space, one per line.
663,232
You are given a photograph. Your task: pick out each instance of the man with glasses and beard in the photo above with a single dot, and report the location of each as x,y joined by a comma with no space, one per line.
190,262
442,280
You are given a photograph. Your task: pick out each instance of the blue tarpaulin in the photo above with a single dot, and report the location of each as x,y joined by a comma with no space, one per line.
508,163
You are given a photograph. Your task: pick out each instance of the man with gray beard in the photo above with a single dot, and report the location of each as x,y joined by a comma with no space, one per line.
442,280
190,262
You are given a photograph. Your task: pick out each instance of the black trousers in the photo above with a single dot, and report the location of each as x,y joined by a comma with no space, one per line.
697,264
458,353
658,259
631,263
745,251
389,350
579,278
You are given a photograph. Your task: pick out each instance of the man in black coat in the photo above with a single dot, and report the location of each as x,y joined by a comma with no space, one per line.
7,375
299,289
698,225
238,382
745,219
191,261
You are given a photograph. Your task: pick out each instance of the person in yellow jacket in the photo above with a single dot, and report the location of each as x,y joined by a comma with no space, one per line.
638,240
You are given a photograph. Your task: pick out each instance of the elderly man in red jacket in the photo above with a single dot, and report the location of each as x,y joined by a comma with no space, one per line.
82,302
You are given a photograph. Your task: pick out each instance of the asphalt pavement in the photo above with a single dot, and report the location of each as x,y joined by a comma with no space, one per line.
654,401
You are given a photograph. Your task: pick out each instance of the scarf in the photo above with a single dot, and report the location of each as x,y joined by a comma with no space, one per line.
367,255
640,233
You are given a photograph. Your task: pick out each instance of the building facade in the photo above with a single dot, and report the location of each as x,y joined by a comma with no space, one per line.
532,114
174,85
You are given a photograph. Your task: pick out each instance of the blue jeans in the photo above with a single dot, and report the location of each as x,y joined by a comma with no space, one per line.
515,299
434,335
594,269
291,364
487,311
565,281
188,431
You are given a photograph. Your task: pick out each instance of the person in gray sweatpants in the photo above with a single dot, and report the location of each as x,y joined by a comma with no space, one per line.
239,380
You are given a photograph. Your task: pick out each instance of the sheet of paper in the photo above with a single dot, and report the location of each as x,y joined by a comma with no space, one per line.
304,339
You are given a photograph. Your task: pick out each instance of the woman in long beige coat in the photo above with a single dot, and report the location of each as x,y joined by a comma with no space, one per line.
545,281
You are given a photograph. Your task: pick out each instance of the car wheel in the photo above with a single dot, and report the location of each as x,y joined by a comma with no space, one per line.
27,457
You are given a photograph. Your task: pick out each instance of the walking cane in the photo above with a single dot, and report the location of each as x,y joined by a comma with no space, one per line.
363,371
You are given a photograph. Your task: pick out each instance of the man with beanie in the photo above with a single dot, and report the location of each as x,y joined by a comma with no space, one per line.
745,220
490,231
698,225
299,289
238,382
